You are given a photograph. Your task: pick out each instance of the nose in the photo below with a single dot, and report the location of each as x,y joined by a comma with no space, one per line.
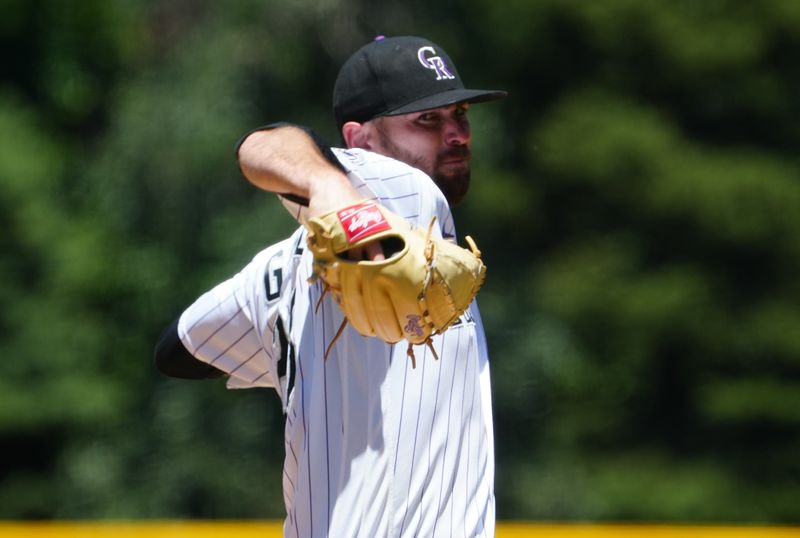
456,132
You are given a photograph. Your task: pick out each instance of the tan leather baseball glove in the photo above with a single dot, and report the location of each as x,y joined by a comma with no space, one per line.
422,287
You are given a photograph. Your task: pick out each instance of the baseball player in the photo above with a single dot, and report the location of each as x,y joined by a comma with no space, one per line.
375,445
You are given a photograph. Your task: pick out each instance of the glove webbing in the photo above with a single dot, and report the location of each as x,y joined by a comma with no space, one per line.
429,256
430,248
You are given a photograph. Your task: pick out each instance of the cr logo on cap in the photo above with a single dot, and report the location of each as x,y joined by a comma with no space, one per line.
433,62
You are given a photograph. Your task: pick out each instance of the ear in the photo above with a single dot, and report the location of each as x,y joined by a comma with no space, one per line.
356,135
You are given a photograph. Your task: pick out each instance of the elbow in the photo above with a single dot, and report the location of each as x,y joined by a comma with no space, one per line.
172,359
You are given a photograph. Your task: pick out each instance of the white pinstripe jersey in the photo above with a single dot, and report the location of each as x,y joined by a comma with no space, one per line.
373,447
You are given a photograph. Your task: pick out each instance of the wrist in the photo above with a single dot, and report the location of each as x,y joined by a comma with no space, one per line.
330,192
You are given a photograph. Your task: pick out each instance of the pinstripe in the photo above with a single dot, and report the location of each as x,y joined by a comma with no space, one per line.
327,420
307,449
463,387
396,198
293,489
294,455
400,422
404,196
288,478
248,359
433,418
225,324
267,353
416,435
262,374
212,309
251,329
482,464
469,445
390,178
447,437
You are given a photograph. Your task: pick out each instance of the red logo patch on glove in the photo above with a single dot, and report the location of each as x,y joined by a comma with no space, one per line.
361,221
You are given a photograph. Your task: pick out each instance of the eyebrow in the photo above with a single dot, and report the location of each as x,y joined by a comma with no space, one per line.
455,106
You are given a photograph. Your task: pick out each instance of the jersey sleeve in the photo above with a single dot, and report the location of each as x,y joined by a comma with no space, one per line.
237,326
401,188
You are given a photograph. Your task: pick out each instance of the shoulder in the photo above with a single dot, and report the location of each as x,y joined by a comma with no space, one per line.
372,166
286,249
267,273
404,189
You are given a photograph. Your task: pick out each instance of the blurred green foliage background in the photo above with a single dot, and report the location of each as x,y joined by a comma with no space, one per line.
637,199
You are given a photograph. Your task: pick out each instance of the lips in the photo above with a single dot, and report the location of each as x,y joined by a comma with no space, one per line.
455,155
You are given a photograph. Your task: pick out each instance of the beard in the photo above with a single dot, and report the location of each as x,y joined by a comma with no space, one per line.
451,177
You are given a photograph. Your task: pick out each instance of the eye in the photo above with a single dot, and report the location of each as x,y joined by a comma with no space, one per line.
430,120
428,117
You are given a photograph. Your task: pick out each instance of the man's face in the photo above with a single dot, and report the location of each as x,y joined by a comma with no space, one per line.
436,141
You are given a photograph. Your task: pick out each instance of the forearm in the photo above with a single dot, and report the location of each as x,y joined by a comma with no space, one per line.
286,160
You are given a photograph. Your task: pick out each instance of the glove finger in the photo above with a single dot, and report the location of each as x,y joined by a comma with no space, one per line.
353,304
382,313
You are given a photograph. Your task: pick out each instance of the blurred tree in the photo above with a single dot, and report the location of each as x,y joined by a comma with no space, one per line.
663,163
636,199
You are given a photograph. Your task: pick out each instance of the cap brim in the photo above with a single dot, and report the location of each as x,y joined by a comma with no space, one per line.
447,98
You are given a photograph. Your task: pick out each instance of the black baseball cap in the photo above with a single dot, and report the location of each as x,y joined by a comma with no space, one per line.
399,75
